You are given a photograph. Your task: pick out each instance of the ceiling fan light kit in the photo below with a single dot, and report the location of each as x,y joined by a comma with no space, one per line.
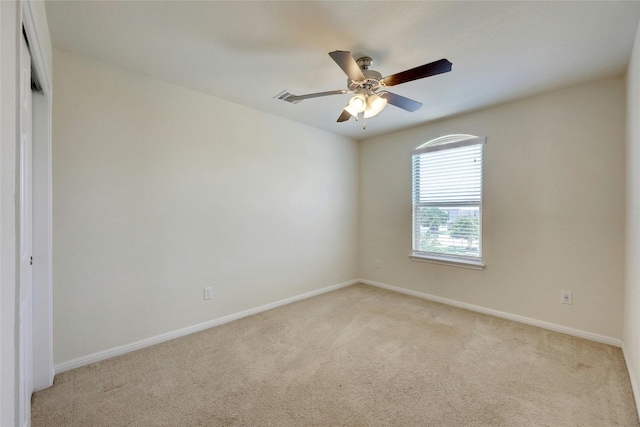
357,104
368,86
375,104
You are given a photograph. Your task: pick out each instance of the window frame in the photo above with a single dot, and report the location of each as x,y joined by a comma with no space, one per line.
438,144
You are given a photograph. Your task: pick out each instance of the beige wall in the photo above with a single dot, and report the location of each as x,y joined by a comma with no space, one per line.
553,213
160,191
631,335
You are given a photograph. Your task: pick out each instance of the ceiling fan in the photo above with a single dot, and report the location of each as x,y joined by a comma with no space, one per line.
368,86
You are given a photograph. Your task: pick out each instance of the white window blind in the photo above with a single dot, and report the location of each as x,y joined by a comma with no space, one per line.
447,199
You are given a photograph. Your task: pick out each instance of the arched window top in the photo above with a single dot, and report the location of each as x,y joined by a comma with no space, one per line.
449,141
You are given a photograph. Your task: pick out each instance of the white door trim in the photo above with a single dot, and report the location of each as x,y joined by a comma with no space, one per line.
43,370
25,330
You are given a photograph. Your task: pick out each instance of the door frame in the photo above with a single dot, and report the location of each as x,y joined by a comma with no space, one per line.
25,179
42,321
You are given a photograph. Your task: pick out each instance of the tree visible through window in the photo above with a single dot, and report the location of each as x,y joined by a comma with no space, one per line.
447,199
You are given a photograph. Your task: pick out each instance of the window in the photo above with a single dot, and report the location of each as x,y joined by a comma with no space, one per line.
447,201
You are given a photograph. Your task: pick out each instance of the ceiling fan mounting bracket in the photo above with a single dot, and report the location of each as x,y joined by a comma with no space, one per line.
364,63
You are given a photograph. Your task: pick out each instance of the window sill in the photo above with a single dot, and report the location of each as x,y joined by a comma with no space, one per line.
452,262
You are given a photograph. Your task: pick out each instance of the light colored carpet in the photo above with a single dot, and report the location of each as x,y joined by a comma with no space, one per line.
359,356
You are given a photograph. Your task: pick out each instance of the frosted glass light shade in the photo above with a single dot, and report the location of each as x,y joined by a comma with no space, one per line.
375,104
357,104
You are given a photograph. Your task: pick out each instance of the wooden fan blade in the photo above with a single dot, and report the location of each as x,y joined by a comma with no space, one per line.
344,116
427,70
401,102
294,99
348,64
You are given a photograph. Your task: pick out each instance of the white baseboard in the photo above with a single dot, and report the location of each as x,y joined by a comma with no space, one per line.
117,351
632,378
516,318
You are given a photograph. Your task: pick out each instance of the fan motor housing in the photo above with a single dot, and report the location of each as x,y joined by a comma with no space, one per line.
372,77
371,80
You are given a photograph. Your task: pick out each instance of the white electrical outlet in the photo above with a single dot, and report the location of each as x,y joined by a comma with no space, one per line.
377,263
208,293
565,297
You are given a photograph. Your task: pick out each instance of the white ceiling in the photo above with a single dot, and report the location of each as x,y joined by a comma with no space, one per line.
248,52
